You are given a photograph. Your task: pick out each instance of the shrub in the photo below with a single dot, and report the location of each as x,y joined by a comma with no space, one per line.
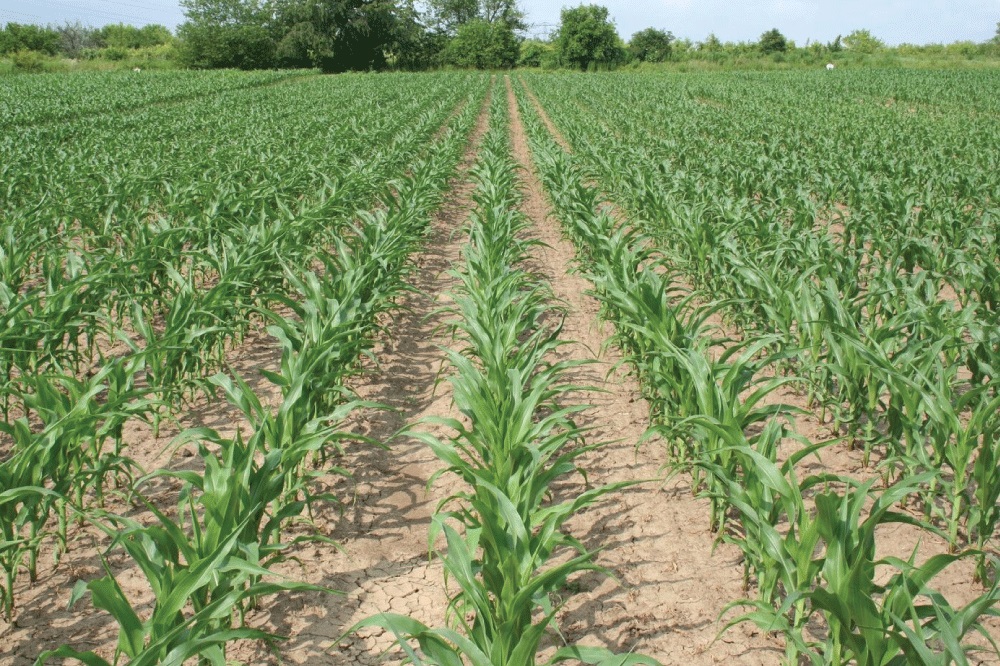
28,61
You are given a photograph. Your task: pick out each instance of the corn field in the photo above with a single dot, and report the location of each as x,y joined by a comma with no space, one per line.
274,346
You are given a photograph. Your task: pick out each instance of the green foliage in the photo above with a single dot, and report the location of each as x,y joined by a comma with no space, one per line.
535,53
334,35
773,41
226,46
863,41
125,36
651,45
416,48
225,12
448,16
347,34
303,46
36,49
28,61
712,44
587,37
479,44
16,37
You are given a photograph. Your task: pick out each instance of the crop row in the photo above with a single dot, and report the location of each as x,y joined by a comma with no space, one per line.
329,275
809,544
37,100
183,262
507,550
889,320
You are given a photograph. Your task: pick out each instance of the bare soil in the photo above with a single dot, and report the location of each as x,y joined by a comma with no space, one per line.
655,536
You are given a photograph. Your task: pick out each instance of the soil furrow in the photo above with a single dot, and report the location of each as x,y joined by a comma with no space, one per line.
670,587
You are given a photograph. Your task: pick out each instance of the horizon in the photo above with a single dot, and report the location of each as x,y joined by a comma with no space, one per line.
893,21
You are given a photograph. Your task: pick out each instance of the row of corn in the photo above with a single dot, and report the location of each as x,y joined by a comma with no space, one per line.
808,540
875,281
504,541
207,559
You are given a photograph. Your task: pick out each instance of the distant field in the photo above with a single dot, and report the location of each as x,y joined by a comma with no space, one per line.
222,293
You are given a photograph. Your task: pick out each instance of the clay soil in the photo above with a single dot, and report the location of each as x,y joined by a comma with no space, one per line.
670,580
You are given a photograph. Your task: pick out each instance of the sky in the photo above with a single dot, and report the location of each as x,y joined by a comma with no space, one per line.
893,21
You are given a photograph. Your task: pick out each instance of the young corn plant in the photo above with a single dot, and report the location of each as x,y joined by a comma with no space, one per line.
984,510
54,468
902,622
504,529
197,592
777,533
206,565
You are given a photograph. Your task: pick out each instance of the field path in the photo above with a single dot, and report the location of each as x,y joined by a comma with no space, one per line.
655,536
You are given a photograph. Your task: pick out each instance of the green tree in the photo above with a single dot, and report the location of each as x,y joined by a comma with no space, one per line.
651,45
120,35
773,41
228,34
25,37
414,46
483,45
228,12
231,46
448,15
338,35
586,36
863,41
535,53
712,44
335,35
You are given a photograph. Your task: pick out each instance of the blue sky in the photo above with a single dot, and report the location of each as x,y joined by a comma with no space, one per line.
894,21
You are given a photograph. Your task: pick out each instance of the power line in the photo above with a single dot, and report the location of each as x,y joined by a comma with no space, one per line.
69,11
142,6
10,11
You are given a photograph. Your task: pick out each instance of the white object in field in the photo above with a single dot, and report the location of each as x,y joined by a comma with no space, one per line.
829,66
137,70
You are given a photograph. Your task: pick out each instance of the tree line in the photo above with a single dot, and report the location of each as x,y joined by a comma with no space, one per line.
344,35
340,35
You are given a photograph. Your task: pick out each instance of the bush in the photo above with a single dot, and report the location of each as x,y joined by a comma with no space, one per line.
483,45
229,46
114,53
773,41
533,52
28,61
651,45
16,37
